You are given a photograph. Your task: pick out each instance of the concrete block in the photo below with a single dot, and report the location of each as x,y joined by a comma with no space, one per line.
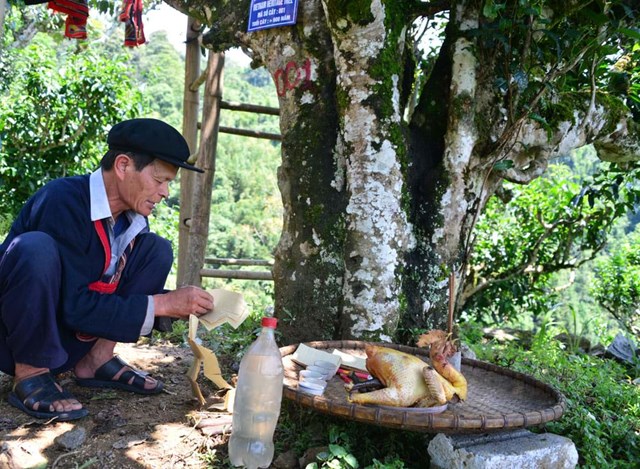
503,450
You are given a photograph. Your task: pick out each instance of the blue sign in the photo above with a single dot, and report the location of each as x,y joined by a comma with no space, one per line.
265,14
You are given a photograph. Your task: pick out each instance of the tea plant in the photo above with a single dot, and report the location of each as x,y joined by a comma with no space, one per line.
602,417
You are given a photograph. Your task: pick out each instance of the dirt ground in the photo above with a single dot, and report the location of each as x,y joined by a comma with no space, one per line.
123,430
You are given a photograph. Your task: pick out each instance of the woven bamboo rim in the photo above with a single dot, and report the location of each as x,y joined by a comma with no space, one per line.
498,398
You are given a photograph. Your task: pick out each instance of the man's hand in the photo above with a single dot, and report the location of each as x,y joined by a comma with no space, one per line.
182,302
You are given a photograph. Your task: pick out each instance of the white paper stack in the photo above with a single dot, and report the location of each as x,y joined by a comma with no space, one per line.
351,361
305,356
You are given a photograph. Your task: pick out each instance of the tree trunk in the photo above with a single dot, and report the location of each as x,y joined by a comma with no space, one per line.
379,206
309,267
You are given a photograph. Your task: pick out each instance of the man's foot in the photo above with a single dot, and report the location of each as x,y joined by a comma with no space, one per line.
117,374
41,397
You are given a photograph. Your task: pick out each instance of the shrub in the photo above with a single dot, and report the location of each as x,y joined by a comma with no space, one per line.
603,405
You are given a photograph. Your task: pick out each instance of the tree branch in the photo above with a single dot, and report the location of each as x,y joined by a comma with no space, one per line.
26,33
65,140
614,134
511,136
558,262
420,9
536,168
226,19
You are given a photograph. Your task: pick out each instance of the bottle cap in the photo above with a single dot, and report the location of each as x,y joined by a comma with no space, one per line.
269,322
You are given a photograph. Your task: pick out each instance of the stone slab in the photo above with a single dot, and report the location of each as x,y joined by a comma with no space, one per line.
503,450
622,349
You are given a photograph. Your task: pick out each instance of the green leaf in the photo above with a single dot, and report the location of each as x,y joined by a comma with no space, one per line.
337,450
503,165
538,118
597,18
632,33
556,40
491,9
351,460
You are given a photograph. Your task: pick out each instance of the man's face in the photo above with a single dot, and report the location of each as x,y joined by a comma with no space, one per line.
142,190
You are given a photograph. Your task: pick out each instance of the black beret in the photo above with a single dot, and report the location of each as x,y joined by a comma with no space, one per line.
153,137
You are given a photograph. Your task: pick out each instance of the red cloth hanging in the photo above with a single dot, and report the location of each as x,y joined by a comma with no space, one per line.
77,8
75,27
77,12
131,15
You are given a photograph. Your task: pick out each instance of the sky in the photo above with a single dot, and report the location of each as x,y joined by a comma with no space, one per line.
174,23
165,18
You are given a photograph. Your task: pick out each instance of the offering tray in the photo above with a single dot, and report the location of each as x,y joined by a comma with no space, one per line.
498,398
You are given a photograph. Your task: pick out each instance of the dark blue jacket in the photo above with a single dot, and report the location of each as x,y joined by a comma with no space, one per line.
62,209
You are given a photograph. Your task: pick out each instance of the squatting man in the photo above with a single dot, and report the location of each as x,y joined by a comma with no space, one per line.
80,271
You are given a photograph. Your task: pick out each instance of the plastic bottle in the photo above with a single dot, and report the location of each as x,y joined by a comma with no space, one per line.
257,401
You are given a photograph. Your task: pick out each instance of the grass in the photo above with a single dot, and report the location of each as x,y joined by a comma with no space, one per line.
345,443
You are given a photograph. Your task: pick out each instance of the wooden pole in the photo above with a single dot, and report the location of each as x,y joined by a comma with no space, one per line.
243,262
203,184
452,289
190,108
233,106
236,274
251,133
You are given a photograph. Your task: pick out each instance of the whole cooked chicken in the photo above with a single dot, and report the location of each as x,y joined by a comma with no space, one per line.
409,381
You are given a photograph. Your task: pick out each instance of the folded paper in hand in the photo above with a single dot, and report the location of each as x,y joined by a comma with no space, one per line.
228,307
